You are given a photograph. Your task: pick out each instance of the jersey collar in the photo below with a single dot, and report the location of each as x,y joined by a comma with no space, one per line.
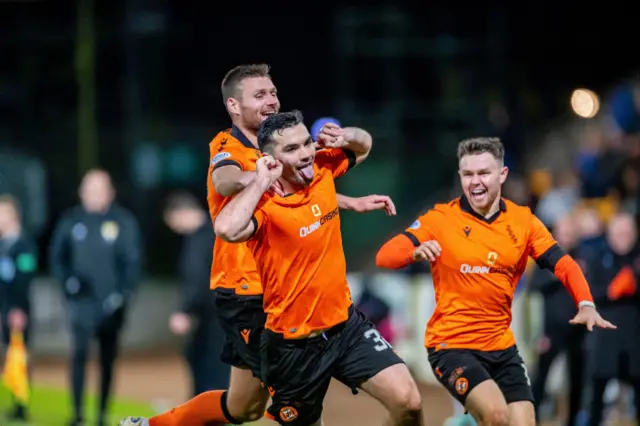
237,133
465,206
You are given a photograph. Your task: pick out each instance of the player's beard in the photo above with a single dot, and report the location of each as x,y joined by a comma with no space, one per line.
485,202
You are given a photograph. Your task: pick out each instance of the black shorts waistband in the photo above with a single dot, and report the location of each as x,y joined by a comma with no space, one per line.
231,293
326,335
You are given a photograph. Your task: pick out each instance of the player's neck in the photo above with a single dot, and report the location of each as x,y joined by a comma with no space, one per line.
250,134
288,187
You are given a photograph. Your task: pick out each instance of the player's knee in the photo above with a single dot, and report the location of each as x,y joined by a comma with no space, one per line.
246,407
249,412
409,402
495,416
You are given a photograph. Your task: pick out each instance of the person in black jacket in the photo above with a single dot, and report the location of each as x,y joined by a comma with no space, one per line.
184,215
18,265
95,253
613,273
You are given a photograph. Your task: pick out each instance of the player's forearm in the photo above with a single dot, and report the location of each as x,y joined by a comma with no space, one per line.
345,203
359,142
234,219
395,253
570,273
229,180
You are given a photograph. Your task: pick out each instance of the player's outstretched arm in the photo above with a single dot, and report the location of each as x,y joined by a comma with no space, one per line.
416,244
367,204
234,223
548,255
229,180
404,249
355,139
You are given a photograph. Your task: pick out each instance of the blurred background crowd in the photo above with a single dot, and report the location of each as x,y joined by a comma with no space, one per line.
116,102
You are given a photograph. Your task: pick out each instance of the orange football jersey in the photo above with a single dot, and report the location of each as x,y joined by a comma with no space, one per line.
233,264
476,275
298,250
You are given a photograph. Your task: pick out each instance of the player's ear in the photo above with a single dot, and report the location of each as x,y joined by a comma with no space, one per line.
504,172
233,106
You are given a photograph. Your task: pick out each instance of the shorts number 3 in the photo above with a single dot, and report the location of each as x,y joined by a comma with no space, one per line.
381,343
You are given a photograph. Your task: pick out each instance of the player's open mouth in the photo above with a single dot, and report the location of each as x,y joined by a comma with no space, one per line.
267,114
478,194
306,172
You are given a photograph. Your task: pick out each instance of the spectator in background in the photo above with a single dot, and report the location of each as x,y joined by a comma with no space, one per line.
95,253
516,189
560,200
627,187
612,272
559,335
599,161
18,264
185,216
590,229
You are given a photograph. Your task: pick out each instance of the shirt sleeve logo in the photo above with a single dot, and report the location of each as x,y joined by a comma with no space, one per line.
415,225
219,157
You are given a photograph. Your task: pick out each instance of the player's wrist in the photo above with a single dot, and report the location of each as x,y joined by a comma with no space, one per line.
586,304
263,183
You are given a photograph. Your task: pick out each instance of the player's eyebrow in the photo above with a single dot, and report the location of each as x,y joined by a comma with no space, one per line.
467,171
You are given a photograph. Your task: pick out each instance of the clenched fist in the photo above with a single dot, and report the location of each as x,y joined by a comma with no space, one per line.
429,250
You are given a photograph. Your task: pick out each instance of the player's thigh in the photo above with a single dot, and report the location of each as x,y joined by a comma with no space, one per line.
296,374
510,373
369,362
521,413
242,319
460,371
487,405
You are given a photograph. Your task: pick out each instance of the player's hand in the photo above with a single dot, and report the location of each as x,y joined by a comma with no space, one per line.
332,136
179,323
429,250
374,202
17,319
591,318
268,170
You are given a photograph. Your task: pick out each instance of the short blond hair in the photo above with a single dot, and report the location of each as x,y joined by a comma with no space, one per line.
475,146
230,86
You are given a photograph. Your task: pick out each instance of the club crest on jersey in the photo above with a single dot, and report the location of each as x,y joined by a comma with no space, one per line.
219,157
415,225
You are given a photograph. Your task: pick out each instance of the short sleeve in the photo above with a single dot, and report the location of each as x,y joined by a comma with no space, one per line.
229,153
338,160
540,239
260,216
422,229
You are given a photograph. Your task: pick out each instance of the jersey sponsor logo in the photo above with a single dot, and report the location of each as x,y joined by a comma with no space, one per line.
484,270
306,230
219,157
415,225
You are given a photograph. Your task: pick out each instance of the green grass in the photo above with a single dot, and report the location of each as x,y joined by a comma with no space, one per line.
51,407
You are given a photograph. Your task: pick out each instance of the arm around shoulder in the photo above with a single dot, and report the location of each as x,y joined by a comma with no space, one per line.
229,180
